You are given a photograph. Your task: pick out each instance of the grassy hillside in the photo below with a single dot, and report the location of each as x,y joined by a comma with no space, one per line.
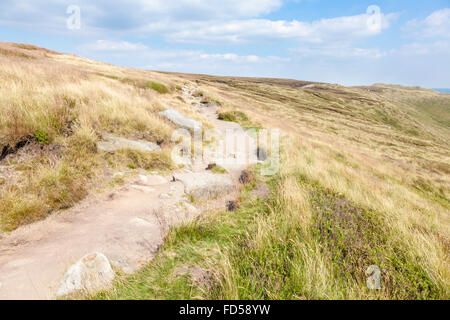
364,178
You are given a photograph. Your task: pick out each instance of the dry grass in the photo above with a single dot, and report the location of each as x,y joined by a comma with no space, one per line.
370,148
364,177
61,101
364,180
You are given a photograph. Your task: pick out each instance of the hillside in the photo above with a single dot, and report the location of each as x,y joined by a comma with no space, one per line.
364,177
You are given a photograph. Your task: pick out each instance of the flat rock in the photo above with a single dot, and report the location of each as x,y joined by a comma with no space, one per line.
152,180
91,273
205,185
179,120
112,143
142,188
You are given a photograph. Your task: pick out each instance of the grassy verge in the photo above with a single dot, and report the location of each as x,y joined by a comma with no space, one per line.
233,116
50,182
53,111
303,242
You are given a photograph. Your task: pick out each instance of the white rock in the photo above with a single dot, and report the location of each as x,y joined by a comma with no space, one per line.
113,143
142,188
180,121
91,273
143,179
164,196
205,185
140,222
190,207
152,180
120,174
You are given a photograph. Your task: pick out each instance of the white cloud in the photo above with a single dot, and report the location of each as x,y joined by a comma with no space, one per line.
231,57
424,48
436,25
108,45
127,15
168,58
431,35
336,29
192,21
338,52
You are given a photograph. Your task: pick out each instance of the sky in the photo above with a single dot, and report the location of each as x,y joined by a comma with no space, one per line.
350,42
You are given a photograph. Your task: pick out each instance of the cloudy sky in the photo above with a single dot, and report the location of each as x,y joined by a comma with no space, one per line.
350,42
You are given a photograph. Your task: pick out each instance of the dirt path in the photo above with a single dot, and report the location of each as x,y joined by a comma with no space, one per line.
236,148
127,226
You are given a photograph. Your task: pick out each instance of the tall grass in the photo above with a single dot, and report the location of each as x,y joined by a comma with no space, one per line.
61,102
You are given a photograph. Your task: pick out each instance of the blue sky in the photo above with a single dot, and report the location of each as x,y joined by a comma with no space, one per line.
396,41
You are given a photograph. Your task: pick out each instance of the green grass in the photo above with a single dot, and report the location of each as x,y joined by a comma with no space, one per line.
158,87
219,170
135,159
42,137
195,244
233,116
355,238
263,251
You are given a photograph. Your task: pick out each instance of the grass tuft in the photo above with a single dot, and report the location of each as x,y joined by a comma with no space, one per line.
158,87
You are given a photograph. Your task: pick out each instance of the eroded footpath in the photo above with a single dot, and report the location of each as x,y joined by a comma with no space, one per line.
127,226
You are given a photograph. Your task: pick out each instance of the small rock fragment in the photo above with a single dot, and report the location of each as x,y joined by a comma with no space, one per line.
232,205
211,166
246,177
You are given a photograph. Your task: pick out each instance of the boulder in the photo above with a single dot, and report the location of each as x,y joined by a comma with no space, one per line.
112,143
180,121
202,185
91,273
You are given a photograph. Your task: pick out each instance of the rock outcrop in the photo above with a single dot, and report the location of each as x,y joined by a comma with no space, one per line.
112,143
205,185
91,273
180,121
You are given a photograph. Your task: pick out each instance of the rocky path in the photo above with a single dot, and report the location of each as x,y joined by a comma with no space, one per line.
124,228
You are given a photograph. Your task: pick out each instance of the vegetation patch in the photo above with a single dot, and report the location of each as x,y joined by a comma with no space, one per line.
135,159
15,53
158,87
356,238
233,116
51,189
218,170
42,137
